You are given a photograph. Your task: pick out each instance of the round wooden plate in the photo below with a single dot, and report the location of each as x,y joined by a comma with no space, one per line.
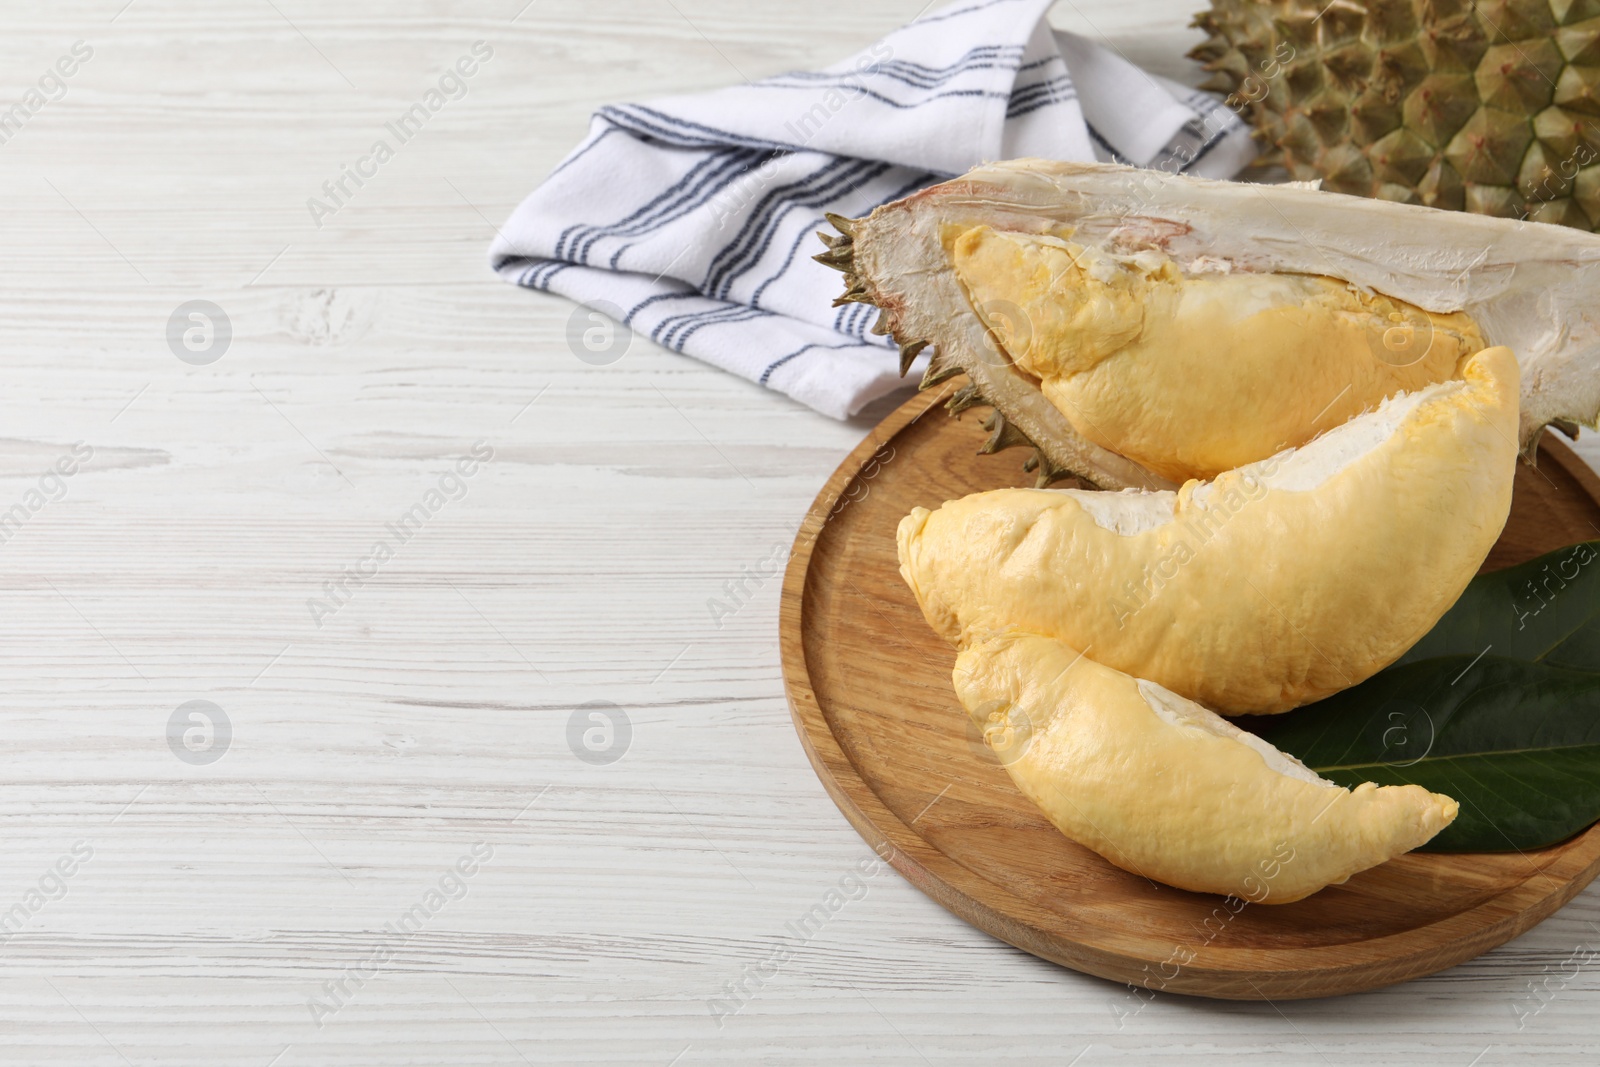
869,687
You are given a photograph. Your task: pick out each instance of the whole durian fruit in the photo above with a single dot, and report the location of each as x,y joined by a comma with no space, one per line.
1491,107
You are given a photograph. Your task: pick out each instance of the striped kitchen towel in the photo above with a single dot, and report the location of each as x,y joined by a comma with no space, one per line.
691,218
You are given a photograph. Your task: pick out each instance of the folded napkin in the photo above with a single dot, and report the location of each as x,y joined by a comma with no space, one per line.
691,218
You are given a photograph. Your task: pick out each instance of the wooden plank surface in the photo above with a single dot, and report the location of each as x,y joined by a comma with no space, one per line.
209,906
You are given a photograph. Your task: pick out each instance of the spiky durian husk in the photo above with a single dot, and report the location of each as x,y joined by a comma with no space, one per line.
1003,434
1491,107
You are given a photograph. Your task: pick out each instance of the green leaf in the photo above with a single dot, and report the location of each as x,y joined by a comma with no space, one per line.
1498,707
1516,743
1543,610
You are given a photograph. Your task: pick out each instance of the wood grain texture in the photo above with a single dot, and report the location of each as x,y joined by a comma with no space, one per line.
869,688
425,715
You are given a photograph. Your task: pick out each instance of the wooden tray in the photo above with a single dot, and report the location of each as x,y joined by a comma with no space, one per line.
869,687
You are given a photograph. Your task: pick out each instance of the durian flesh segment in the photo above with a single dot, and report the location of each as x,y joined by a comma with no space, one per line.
1165,789
1531,287
1277,584
1192,374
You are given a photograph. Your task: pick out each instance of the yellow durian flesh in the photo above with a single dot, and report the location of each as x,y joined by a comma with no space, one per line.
1165,789
1277,584
1191,374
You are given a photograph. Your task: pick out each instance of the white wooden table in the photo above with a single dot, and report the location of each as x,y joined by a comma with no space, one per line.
158,909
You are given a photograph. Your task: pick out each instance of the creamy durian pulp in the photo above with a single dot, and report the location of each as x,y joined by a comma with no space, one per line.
1194,372
1164,788
1104,630
1258,591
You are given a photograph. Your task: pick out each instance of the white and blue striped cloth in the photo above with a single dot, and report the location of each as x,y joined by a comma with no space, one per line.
691,218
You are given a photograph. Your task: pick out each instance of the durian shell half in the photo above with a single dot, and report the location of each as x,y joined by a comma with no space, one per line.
1532,287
